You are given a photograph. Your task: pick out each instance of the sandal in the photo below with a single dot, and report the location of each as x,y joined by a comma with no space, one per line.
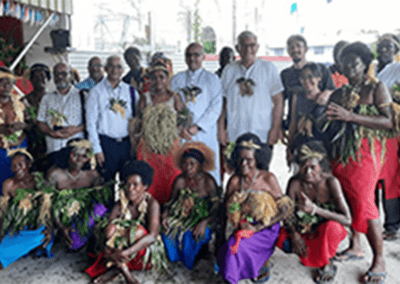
324,273
372,274
264,270
389,235
345,256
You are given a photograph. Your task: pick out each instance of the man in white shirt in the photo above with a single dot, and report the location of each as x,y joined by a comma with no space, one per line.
109,107
253,96
60,112
201,91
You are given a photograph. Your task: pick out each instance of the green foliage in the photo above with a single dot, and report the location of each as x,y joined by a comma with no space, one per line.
209,47
8,53
75,206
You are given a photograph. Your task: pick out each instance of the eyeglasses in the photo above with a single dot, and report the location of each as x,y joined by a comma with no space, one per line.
195,54
245,46
62,74
114,66
96,65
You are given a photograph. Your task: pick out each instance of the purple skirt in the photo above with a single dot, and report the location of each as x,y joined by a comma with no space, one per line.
79,241
252,254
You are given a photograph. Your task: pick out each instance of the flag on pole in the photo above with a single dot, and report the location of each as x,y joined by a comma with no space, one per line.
293,8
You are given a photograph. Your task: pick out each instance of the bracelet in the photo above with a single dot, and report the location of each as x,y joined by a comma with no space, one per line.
314,210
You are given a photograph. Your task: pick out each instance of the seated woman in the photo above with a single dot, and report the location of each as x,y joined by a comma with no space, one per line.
193,204
136,211
12,123
17,243
158,131
75,178
308,108
255,205
317,228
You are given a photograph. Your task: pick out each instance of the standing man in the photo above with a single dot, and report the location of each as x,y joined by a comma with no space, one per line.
202,92
96,74
136,76
253,96
297,49
110,106
60,112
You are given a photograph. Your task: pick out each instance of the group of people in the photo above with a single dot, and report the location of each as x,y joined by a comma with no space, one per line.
171,136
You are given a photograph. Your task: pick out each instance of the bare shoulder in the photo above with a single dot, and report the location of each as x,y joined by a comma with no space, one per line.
154,206
179,182
233,184
294,186
55,173
210,181
8,185
269,177
333,183
272,183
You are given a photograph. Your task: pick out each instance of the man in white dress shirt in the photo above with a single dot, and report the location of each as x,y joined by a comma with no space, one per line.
253,99
201,91
60,112
109,107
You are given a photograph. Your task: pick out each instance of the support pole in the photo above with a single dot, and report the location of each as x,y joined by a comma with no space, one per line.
31,42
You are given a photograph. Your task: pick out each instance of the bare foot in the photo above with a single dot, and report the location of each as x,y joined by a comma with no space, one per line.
110,275
128,275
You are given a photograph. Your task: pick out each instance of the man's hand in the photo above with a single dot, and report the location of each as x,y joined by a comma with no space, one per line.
59,134
199,230
100,158
193,130
223,137
185,134
274,136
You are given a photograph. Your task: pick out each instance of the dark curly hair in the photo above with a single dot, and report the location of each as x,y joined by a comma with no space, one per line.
262,155
140,168
360,49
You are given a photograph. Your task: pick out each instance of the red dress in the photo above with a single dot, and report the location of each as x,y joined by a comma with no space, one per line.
99,266
391,169
165,172
322,245
358,179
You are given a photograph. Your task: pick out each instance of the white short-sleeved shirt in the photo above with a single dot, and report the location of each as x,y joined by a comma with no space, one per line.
250,114
390,74
70,106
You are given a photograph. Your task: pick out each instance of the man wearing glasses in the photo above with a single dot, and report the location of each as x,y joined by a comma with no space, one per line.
253,96
96,74
202,92
60,112
109,107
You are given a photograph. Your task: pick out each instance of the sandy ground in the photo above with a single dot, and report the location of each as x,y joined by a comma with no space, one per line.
66,267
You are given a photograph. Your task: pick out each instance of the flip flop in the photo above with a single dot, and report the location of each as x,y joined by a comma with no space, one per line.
389,236
345,256
329,272
263,270
372,274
